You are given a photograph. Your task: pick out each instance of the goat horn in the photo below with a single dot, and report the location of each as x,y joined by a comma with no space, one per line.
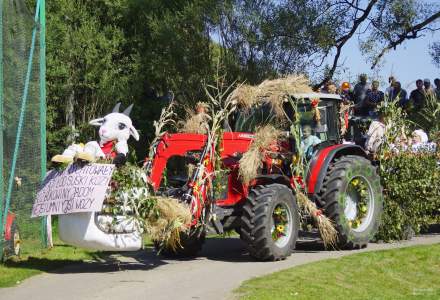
116,108
127,111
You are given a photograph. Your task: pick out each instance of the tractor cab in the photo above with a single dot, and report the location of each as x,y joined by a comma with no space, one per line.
318,114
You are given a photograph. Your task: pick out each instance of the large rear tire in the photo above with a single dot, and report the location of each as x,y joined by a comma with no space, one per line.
352,197
270,222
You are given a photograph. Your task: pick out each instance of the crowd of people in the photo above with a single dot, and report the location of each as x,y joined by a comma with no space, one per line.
367,97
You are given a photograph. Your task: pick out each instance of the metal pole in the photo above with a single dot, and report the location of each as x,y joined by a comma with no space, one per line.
45,226
2,199
21,120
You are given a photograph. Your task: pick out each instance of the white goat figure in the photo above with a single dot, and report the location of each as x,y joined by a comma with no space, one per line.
114,131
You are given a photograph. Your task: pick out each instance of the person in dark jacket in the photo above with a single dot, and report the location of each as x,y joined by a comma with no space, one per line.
437,88
417,98
373,98
360,89
399,94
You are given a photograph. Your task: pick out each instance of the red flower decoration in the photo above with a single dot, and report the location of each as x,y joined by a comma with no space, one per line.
315,102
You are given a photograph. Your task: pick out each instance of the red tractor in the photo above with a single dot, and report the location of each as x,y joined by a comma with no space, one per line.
340,179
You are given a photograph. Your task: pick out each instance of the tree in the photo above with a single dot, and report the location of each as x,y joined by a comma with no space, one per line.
137,51
380,25
87,70
278,37
435,53
101,52
266,38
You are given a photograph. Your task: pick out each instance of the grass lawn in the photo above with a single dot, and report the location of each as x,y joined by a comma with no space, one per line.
407,273
35,260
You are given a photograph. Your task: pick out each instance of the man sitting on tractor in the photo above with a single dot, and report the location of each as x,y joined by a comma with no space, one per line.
308,141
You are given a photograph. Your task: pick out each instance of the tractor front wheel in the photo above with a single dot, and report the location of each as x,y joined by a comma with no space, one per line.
352,198
270,222
190,244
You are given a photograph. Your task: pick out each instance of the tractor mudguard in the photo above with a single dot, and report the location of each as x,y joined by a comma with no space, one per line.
9,220
273,178
319,164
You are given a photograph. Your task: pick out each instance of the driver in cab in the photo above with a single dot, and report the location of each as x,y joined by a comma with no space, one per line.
308,140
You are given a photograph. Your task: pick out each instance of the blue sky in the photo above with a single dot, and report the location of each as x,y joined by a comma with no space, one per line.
407,63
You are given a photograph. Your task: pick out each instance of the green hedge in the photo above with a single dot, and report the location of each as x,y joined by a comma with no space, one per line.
412,194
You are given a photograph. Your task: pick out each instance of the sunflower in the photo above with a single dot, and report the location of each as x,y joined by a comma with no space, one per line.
280,228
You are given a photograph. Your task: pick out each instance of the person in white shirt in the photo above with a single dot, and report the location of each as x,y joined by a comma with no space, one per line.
308,140
375,136
421,143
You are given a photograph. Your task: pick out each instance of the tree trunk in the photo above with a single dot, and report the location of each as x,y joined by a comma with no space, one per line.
70,116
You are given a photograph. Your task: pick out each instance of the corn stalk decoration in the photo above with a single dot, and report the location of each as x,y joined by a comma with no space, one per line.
221,106
167,118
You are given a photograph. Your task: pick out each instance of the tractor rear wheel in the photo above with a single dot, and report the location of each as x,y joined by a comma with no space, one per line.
270,222
352,198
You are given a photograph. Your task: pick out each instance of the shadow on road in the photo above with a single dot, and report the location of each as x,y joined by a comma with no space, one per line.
227,249
232,249
115,262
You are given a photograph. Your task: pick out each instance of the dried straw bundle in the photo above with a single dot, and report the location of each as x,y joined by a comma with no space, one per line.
252,160
245,95
275,91
325,226
272,92
344,109
196,123
167,221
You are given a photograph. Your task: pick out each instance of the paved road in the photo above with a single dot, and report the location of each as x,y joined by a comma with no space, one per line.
222,266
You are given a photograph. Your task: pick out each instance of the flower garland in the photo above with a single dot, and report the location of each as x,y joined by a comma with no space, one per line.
280,223
361,188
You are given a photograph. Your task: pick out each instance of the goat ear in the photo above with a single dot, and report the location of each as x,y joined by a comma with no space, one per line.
97,122
116,108
134,133
127,111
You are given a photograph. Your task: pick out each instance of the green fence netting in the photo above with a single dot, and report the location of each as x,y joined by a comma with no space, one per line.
22,139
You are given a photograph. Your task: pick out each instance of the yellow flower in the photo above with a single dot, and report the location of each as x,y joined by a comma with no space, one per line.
295,159
355,182
280,228
278,211
363,208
